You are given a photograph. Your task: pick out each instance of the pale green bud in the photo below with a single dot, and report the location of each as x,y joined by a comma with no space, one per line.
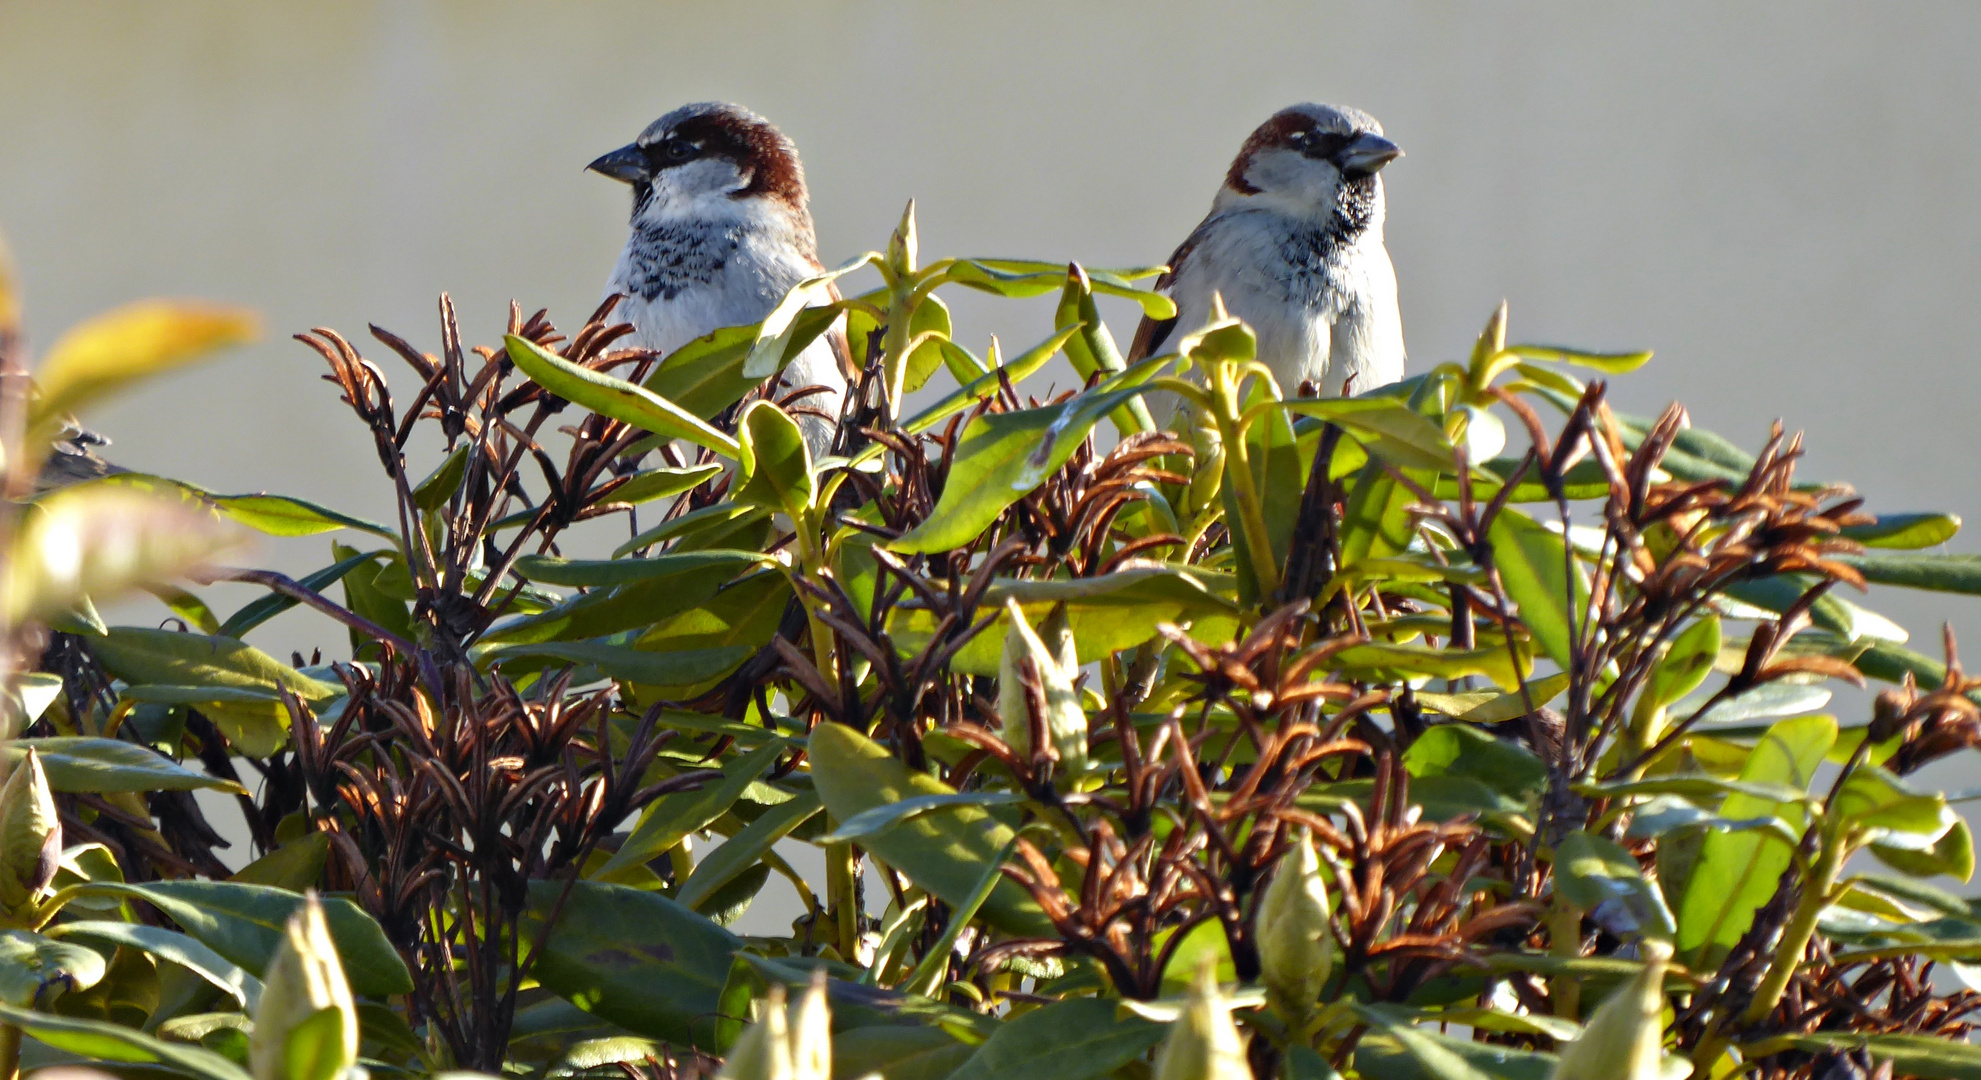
1203,1043
1625,1039
1056,662
786,1042
1296,951
30,837
306,1027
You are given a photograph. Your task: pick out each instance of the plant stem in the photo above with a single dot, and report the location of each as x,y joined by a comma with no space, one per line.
10,1052
842,906
1565,930
1801,926
1231,430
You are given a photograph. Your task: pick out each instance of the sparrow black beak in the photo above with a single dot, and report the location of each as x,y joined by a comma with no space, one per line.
1366,154
626,164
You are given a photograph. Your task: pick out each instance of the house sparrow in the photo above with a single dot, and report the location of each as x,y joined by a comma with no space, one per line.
1294,245
720,232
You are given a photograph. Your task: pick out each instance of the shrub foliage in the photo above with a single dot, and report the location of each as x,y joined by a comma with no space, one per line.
1464,728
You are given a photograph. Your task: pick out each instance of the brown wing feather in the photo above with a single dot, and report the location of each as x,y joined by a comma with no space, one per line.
1151,333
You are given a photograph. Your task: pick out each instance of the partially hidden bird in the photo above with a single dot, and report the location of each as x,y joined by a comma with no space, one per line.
1294,246
721,231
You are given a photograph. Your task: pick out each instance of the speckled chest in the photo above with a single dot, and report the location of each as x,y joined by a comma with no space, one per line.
664,259
1312,268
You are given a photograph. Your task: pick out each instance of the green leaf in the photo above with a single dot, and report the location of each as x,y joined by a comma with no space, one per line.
1591,871
777,465
137,341
80,763
1023,277
594,573
1108,612
276,515
1873,798
783,333
740,852
1459,750
314,1050
984,386
609,396
1927,1057
36,692
1376,522
1914,570
188,607
1737,871
140,656
635,958
1532,564
244,923
295,866
623,664
1414,660
1904,531
881,818
1069,1040
441,484
742,615
657,590
1952,854
1388,428
181,949
100,1040
898,1053
945,852
1687,663
1002,457
1093,351
651,484
1769,701
1491,707
31,965
1608,363
673,817
708,528
256,612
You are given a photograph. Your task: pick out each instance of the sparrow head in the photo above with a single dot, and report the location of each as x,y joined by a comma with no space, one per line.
700,156
1314,161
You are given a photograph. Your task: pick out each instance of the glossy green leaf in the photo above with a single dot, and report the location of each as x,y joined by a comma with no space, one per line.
1906,531
1415,660
254,720
1687,663
1918,570
1608,363
1737,871
295,866
594,573
625,664
100,1040
244,923
440,485
1769,701
1591,871
614,397
1092,351
32,693
1022,278
650,484
1926,1057
897,1053
1070,1040
276,515
34,970
1002,457
1108,612
1389,429
945,852
1459,750
1952,855
1376,522
79,763
741,615
673,817
1532,565
1496,707
967,395
635,958
1873,798
258,611
181,949
186,606
740,852
866,823
777,465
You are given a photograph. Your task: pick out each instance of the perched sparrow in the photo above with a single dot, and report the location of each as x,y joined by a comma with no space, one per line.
1294,245
720,233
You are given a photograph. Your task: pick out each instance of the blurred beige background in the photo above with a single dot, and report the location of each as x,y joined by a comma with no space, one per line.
1783,200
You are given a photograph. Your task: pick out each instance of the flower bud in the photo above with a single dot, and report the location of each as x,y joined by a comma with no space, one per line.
306,1026
1296,951
30,836
785,1043
1053,664
1203,1043
1625,1039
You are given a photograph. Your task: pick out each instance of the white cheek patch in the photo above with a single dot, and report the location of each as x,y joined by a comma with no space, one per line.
691,189
1291,175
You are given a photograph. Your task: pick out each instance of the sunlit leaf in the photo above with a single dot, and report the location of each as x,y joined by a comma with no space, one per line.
610,396
137,341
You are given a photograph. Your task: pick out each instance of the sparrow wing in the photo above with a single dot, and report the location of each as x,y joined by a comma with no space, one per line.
1150,335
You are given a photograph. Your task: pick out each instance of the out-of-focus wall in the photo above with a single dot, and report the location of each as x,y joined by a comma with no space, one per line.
1783,200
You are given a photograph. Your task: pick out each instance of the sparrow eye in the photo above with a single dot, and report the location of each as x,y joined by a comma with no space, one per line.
679,150
1324,146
